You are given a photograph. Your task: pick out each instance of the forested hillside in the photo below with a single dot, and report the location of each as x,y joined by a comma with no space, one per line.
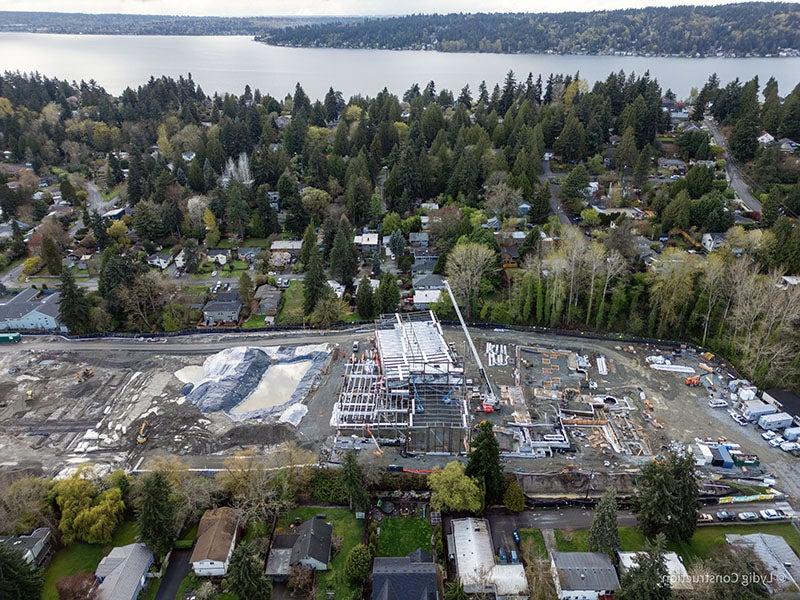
756,28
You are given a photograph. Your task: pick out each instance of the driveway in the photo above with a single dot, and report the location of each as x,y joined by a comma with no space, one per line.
177,569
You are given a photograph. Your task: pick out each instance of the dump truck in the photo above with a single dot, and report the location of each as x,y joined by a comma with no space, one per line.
692,381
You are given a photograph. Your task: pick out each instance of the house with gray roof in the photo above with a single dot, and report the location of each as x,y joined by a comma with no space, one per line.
419,238
31,310
429,281
583,575
123,572
33,547
778,559
224,307
309,544
269,302
7,229
412,577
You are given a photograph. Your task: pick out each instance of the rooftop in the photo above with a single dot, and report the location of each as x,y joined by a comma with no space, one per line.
215,535
121,571
585,571
412,577
474,558
27,301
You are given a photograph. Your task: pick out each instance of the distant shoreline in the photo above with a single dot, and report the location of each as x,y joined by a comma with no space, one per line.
267,42
619,54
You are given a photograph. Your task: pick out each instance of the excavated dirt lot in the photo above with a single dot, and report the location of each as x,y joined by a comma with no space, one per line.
65,403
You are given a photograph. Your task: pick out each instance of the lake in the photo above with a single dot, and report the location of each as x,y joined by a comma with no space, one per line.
227,63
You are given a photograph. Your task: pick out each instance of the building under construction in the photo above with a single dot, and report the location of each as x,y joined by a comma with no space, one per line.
409,389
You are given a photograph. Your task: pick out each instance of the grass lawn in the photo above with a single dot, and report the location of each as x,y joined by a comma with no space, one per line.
292,309
703,544
348,529
83,557
254,322
533,540
151,590
402,535
256,530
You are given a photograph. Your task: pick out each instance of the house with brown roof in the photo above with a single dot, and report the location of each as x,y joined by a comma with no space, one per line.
216,539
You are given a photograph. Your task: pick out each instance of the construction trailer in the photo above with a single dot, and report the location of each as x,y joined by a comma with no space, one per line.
408,390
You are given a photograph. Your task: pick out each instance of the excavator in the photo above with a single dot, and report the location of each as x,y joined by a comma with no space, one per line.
692,381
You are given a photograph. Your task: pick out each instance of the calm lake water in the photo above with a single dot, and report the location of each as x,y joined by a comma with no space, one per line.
227,63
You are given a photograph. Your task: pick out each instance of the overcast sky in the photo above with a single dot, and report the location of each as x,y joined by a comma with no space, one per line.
325,7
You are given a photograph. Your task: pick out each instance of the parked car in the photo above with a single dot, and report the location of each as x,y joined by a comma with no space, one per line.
516,536
705,518
738,418
514,557
771,514
724,515
748,516
502,556
717,403
776,441
768,435
789,446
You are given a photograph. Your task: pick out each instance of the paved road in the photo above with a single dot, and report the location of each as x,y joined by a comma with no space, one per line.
735,176
200,344
178,568
9,278
555,204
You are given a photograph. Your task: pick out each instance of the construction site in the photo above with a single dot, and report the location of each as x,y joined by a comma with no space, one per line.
406,391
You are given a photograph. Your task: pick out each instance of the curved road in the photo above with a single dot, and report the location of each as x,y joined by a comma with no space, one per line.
555,204
735,176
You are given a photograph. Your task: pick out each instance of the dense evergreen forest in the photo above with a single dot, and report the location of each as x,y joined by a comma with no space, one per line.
197,171
122,24
753,28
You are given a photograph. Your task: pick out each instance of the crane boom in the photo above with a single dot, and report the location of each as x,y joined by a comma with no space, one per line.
490,396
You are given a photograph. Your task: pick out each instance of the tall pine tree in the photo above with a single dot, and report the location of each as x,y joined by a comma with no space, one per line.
484,463
73,307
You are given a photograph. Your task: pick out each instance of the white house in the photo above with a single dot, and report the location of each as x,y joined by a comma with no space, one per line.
180,259
216,539
308,545
337,288
470,547
765,139
712,241
367,242
218,255
425,299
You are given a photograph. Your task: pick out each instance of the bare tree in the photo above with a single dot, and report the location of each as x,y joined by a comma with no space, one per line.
467,265
595,260
615,265
672,285
503,200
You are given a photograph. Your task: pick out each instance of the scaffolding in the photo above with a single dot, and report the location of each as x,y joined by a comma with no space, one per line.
412,388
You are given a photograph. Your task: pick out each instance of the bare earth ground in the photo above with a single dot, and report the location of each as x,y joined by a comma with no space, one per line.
52,391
